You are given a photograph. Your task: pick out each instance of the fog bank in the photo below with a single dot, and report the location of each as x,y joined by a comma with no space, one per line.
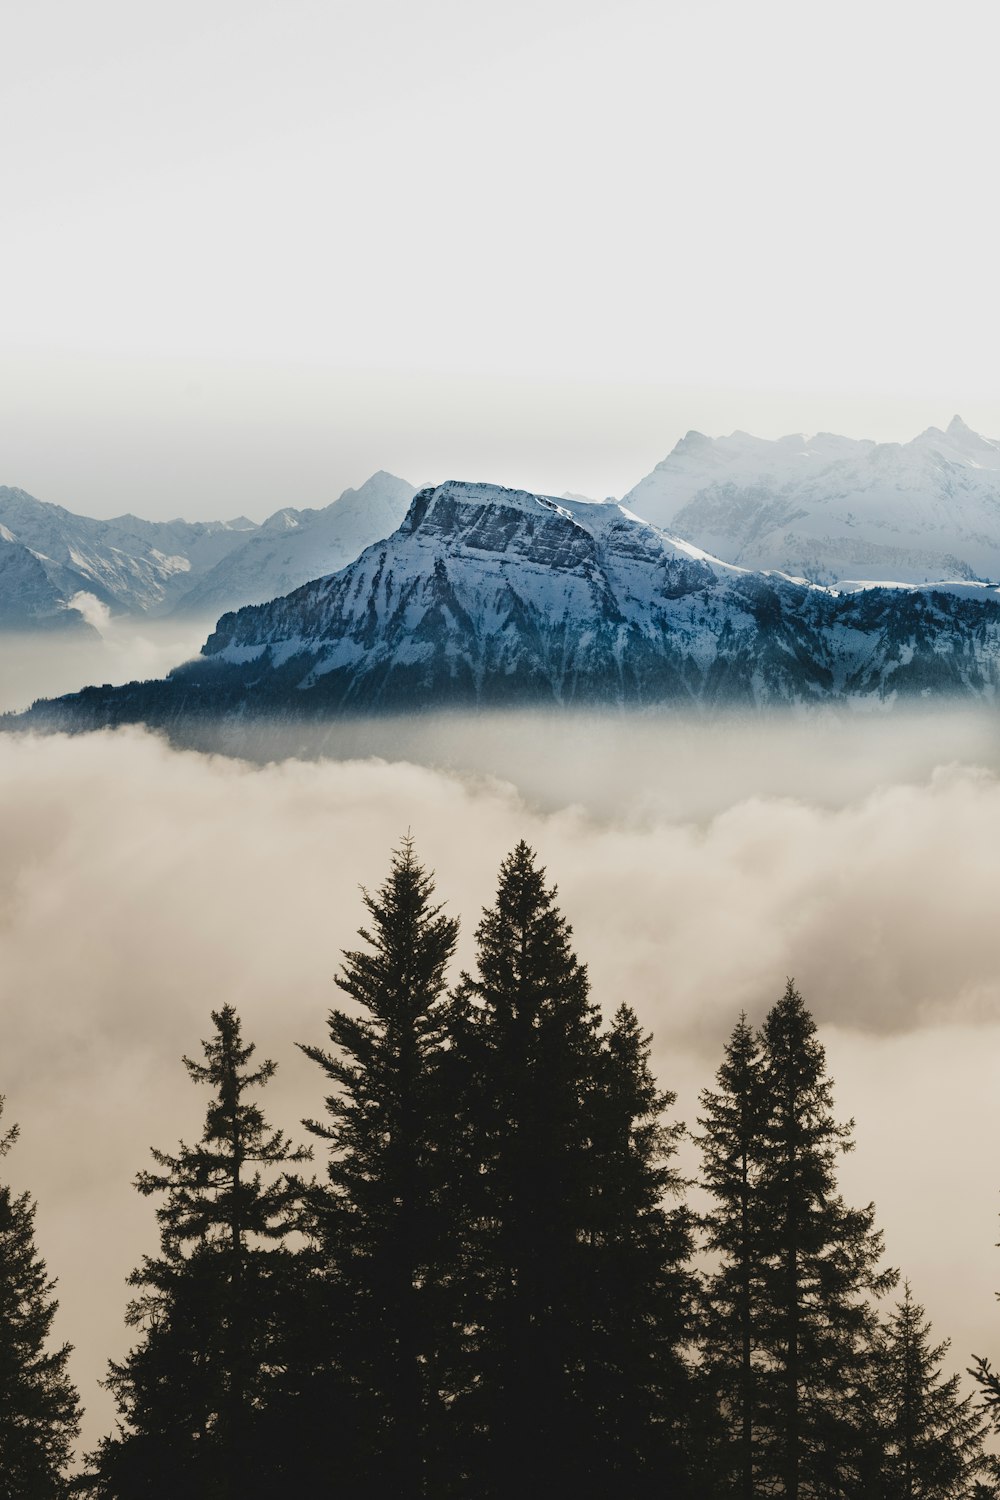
125,649
140,887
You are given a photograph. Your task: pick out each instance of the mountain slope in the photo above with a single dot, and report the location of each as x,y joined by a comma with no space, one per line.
485,596
831,509
28,598
130,564
293,546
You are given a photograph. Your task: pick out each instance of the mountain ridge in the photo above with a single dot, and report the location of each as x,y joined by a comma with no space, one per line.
485,597
833,509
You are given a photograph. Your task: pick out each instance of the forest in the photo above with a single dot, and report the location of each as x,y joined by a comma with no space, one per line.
482,1272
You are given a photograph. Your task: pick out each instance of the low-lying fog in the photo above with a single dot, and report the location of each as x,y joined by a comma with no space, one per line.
141,886
120,648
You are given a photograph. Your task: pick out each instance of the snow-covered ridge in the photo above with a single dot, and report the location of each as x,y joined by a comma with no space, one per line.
489,597
831,508
196,568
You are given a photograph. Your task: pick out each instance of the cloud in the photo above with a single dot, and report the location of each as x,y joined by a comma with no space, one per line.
141,887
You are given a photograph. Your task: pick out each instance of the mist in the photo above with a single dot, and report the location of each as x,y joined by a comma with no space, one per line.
142,886
117,649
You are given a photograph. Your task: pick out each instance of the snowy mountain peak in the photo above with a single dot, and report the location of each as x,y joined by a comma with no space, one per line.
486,596
831,508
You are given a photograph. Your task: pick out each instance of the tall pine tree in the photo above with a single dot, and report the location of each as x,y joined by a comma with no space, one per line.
39,1408
789,1312
818,1268
527,1036
218,1306
384,1225
635,1392
731,1142
931,1436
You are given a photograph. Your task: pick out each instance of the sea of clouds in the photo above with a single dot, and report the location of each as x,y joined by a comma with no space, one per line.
700,864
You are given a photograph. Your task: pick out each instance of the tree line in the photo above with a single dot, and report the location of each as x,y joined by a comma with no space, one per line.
495,1287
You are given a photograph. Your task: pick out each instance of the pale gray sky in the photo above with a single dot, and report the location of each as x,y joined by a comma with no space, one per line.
252,251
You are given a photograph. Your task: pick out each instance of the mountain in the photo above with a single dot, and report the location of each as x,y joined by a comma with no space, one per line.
493,597
28,598
183,567
130,564
832,509
293,546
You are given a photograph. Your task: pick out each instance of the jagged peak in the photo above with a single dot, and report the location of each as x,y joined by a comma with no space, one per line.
692,442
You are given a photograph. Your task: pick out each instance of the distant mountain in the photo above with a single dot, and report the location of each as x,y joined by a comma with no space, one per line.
185,567
28,598
129,564
832,509
493,597
294,546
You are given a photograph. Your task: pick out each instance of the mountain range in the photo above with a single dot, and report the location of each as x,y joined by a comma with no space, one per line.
491,597
835,510
827,509
48,555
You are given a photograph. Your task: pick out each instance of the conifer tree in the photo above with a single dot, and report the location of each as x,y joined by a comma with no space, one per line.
527,1036
39,1407
218,1304
635,1387
385,1230
818,1268
931,1437
731,1143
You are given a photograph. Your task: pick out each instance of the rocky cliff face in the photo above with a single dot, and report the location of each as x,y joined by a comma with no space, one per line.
486,597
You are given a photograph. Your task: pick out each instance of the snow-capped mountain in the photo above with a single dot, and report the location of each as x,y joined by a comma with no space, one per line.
195,568
28,598
489,597
129,564
832,509
293,546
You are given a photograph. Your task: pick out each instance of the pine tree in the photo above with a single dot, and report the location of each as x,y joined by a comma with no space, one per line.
527,1036
635,1388
731,1143
384,1226
218,1305
818,1268
39,1407
931,1437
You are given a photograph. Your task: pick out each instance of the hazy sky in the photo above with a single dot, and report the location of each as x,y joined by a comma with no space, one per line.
252,251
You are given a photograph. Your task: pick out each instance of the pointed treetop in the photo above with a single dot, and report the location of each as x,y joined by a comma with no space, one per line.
9,1137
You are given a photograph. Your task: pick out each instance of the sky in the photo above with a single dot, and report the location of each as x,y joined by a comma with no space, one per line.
253,251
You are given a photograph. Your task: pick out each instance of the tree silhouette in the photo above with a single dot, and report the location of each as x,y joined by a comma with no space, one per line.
217,1306
527,1036
731,1142
931,1437
789,1317
383,1223
635,1387
39,1407
819,1267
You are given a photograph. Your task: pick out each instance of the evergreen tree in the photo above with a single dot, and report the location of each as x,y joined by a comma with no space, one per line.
788,1323
527,1038
383,1222
635,1388
732,1143
218,1305
931,1437
818,1269
39,1408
